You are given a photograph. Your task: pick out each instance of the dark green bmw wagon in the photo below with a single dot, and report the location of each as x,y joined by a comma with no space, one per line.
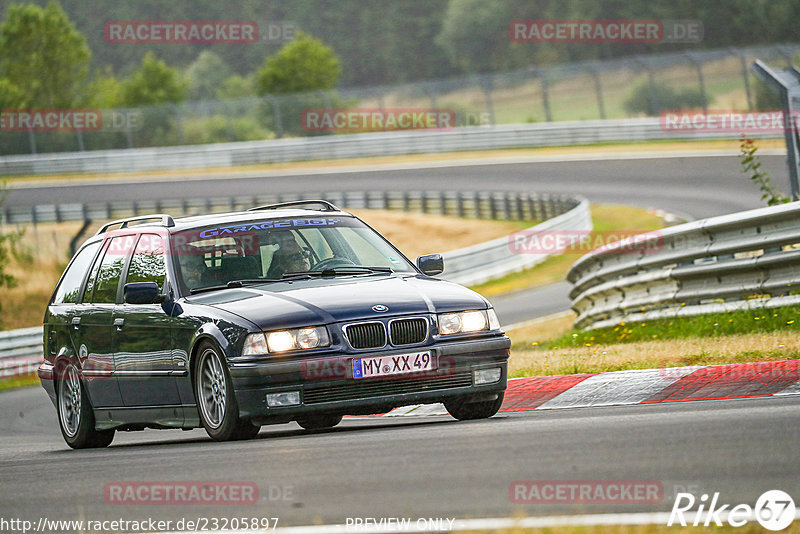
290,312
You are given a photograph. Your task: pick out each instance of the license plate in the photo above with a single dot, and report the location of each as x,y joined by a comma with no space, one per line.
394,364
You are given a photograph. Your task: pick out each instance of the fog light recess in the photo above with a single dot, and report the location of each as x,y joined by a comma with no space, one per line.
487,376
285,398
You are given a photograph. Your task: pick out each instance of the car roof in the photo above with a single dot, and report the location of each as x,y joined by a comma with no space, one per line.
168,224
196,221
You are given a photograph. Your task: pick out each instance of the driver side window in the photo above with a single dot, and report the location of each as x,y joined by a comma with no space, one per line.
147,263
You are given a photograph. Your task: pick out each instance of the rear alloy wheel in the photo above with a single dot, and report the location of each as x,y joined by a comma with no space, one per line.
318,422
75,414
216,400
464,410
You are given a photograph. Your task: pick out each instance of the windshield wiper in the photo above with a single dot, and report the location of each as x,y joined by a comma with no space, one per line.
342,271
249,282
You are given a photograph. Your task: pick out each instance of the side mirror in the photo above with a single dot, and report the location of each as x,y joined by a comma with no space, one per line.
142,293
431,264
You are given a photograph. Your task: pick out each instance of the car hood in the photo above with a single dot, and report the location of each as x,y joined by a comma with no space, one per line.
321,301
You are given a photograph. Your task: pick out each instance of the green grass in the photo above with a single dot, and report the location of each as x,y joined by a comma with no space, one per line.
22,381
605,218
699,326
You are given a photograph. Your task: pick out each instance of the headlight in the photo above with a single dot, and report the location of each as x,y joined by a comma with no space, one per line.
467,321
298,338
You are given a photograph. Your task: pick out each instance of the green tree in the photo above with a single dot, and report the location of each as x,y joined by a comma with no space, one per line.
474,34
641,98
153,83
305,64
43,55
236,87
11,96
7,241
206,74
104,90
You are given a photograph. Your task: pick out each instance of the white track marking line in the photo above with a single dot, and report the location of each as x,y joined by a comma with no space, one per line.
466,525
794,389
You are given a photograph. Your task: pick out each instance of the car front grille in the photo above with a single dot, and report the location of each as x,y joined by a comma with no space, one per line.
366,335
370,388
408,331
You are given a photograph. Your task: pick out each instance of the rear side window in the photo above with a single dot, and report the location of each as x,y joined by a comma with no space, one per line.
70,286
147,263
110,272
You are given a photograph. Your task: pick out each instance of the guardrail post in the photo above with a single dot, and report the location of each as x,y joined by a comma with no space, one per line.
546,97
32,141
486,85
745,76
598,90
700,81
276,108
655,104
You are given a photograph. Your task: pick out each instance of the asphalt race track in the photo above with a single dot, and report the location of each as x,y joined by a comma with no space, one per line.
434,466
692,187
411,466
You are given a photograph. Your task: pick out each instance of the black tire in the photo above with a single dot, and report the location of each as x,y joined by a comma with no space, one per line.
216,400
246,430
318,422
75,414
464,410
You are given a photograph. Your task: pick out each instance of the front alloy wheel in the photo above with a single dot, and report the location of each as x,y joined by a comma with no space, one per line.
75,415
216,400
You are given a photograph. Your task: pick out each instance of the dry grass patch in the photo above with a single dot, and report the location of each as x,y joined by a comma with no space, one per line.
529,361
37,262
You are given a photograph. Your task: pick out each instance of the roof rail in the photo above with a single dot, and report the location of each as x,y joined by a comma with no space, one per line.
166,220
326,206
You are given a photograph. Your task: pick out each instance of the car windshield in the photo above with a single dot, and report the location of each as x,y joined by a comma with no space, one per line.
279,248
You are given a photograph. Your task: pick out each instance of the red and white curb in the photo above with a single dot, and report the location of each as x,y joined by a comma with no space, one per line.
646,386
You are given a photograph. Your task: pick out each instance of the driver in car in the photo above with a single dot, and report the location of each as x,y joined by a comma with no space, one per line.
288,257
193,268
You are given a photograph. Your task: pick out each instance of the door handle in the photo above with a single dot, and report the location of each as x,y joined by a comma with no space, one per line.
119,322
76,322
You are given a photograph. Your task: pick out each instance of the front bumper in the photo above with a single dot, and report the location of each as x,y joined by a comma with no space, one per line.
326,384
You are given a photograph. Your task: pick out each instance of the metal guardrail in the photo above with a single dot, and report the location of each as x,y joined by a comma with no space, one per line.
496,258
738,261
478,204
351,146
21,350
